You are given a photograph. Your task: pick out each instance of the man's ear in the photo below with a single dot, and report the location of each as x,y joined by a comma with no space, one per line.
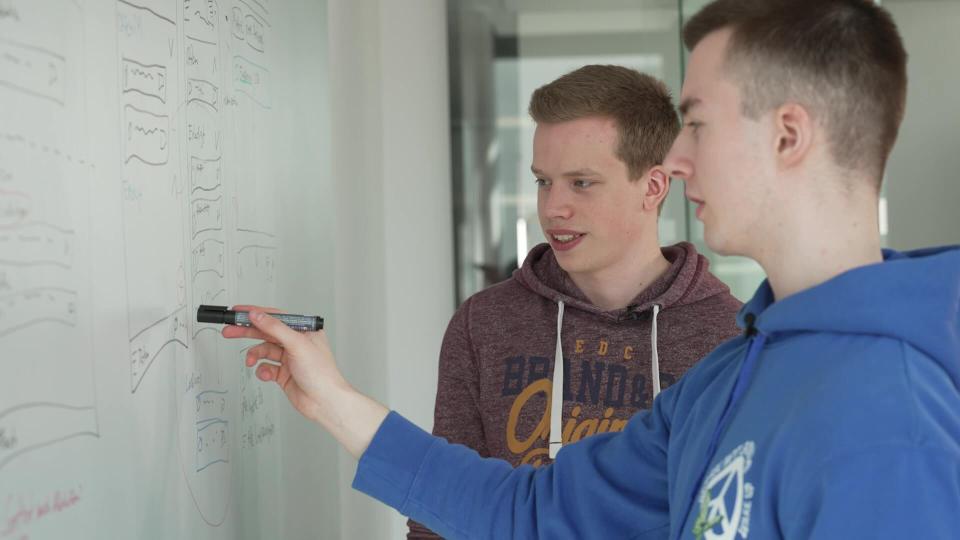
793,130
658,186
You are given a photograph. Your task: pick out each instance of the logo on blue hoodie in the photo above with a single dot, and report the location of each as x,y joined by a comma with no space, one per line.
726,498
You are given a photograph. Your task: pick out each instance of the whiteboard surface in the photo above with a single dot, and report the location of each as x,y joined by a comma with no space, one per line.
156,155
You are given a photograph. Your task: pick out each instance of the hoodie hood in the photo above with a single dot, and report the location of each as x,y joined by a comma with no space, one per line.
686,281
912,296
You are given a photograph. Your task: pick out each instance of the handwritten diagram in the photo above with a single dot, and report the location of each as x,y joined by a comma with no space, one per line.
157,313
45,304
143,155
194,85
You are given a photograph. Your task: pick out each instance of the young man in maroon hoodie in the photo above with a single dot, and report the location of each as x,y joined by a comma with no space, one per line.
602,313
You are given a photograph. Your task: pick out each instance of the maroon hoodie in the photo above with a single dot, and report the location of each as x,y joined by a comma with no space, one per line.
497,360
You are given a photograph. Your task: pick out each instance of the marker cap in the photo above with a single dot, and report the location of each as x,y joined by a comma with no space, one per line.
216,315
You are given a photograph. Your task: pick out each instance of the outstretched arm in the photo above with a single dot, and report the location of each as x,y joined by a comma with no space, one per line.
610,485
457,415
305,369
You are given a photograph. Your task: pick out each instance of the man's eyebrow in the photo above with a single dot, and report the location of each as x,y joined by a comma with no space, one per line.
587,171
688,104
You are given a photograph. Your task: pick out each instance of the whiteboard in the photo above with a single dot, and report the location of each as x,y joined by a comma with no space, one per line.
156,155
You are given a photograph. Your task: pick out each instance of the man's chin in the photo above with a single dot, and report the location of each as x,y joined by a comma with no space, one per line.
571,263
722,245
716,242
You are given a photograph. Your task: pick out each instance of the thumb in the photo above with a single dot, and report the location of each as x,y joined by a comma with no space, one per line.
280,333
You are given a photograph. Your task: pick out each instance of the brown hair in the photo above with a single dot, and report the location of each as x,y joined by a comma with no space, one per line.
841,59
646,120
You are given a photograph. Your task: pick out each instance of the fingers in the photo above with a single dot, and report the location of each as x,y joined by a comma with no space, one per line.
251,307
266,350
234,332
237,332
268,372
277,332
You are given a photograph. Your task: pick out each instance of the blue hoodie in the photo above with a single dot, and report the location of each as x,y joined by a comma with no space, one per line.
835,415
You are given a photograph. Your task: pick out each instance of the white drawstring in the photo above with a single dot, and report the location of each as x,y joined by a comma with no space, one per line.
556,395
654,357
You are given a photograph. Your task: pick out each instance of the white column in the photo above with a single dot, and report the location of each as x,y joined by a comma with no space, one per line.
394,254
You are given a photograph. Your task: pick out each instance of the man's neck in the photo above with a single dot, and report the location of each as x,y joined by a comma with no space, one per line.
821,244
616,287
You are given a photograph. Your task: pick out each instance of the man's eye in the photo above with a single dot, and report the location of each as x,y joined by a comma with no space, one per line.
540,182
694,126
582,184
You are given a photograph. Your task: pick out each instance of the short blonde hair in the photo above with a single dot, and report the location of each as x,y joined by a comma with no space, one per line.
640,105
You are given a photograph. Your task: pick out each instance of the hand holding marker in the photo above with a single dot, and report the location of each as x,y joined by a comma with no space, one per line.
223,315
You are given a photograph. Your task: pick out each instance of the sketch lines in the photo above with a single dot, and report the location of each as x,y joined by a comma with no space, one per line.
48,394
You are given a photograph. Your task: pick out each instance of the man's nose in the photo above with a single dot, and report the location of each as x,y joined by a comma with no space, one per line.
557,203
678,163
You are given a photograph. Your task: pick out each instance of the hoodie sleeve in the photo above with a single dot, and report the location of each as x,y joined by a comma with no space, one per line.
609,485
456,415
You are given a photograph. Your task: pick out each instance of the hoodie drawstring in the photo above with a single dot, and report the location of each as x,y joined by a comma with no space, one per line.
556,395
756,342
654,356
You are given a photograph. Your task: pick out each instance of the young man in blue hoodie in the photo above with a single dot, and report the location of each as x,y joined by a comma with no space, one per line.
835,415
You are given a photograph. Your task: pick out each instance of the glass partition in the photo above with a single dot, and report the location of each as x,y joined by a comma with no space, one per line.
501,51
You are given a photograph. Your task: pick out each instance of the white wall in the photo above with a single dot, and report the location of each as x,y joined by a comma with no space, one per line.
923,177
394,255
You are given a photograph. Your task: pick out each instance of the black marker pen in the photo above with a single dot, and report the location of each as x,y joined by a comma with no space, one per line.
222,315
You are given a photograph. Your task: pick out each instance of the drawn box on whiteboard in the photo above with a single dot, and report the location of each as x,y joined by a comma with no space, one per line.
204,131
146,136
205,174
146,79
208,256
252,80
213,444
27,427
25,241
148,343
206,213
28,307
253,32
201,91
248,27
32,70
210,405
201,20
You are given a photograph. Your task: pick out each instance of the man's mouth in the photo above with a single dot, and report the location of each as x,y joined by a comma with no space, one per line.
562,240
700,204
